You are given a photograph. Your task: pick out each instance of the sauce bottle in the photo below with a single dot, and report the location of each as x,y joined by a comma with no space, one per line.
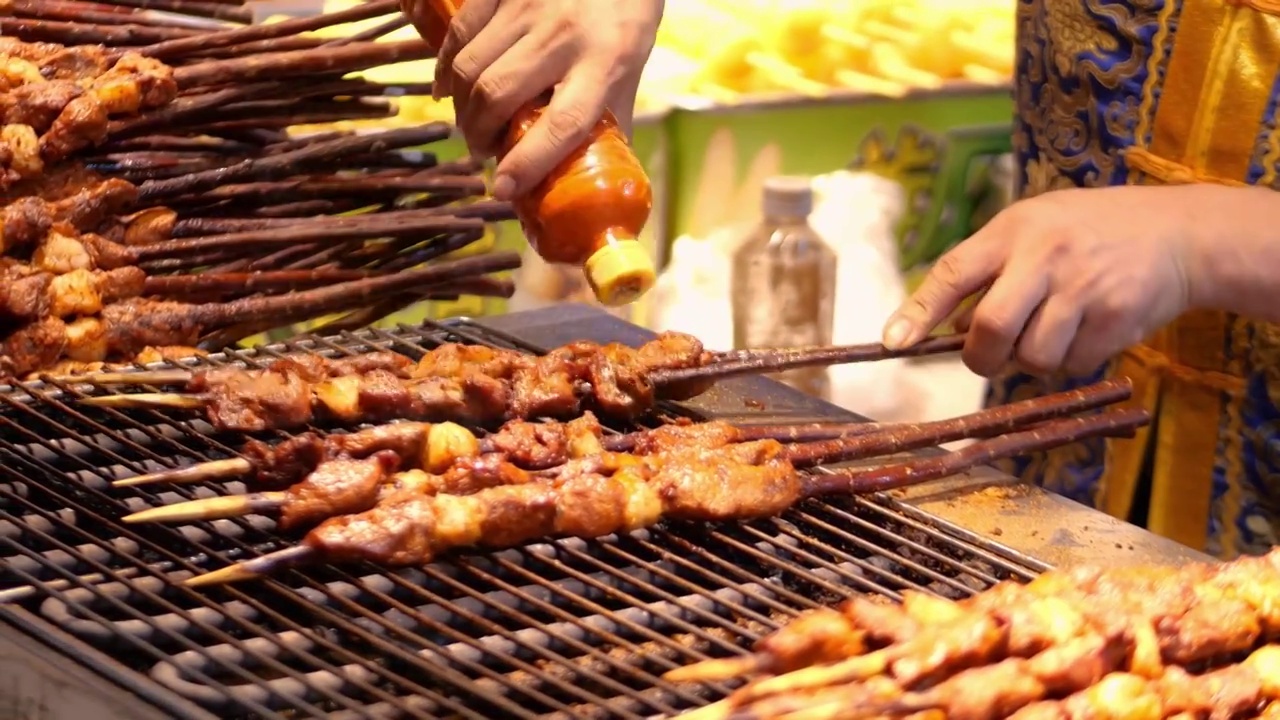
783,282
590,210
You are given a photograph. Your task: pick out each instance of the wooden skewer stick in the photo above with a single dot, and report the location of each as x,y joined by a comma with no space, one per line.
191,474
210,508
257,567
157,401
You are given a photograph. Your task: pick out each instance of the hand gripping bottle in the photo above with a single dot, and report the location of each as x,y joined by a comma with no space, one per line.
589,211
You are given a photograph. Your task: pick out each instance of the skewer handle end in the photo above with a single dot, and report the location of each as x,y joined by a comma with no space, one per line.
146,400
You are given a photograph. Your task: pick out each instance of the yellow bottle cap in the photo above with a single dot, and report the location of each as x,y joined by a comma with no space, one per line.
620,272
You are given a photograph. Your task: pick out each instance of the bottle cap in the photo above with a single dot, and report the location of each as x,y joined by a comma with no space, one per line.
788,196
620,272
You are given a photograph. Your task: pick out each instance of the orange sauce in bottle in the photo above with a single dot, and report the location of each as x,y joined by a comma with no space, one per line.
590,210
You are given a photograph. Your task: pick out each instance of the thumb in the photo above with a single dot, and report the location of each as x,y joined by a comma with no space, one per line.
967,268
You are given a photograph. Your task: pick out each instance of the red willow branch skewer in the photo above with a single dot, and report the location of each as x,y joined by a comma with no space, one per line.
78,33
1121,423
477,286
248,283
287,163
300,63
240,36
92,12
408,528
279,465
230,10
372,33
338,187
376,226
754,362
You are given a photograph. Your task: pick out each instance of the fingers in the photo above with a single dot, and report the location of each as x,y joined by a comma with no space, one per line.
964,270
1044,344
467,24
1100,338
576,106
531,66
1001,315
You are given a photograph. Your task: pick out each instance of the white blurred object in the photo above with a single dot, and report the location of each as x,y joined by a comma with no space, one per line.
692,293
856,214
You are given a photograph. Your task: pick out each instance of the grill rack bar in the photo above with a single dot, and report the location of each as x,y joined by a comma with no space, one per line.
636,605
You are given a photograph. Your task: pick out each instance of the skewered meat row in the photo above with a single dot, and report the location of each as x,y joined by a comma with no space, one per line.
612,492
29,219
924,653
47,121
127,327
1233,691
325,490
476,385
148,356
464,461
66,221
538,445
448,461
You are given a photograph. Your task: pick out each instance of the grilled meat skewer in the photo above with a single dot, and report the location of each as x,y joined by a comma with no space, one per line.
733,483
538,445
474,385
451,451
448,462
1169,618
28,294
126,327
1236,690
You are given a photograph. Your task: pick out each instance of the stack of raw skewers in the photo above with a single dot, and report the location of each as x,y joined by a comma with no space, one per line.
403,494
154,203
1121,643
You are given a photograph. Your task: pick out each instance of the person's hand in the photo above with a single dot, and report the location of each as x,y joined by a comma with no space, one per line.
500,54
1071,277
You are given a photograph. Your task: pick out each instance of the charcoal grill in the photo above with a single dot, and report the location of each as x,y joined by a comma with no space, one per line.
95,627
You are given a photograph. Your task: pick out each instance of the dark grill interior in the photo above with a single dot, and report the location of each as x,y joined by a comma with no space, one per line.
568,628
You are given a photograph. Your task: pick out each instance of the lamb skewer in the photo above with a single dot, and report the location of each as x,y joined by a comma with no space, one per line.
1169,617
128,326
680,485
537,445
471,385
1232,691
447,461
437,448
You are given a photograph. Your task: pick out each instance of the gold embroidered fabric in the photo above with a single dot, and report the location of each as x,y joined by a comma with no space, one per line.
1161,92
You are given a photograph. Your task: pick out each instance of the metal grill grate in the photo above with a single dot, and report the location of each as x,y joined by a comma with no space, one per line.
559,629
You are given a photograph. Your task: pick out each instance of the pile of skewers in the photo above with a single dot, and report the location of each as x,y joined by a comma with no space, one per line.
1193,642
407,492
155,205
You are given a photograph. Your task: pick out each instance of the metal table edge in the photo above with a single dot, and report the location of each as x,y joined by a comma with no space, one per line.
1024,519
43,670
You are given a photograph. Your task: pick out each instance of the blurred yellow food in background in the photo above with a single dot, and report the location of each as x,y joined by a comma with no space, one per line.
722,51
727,49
